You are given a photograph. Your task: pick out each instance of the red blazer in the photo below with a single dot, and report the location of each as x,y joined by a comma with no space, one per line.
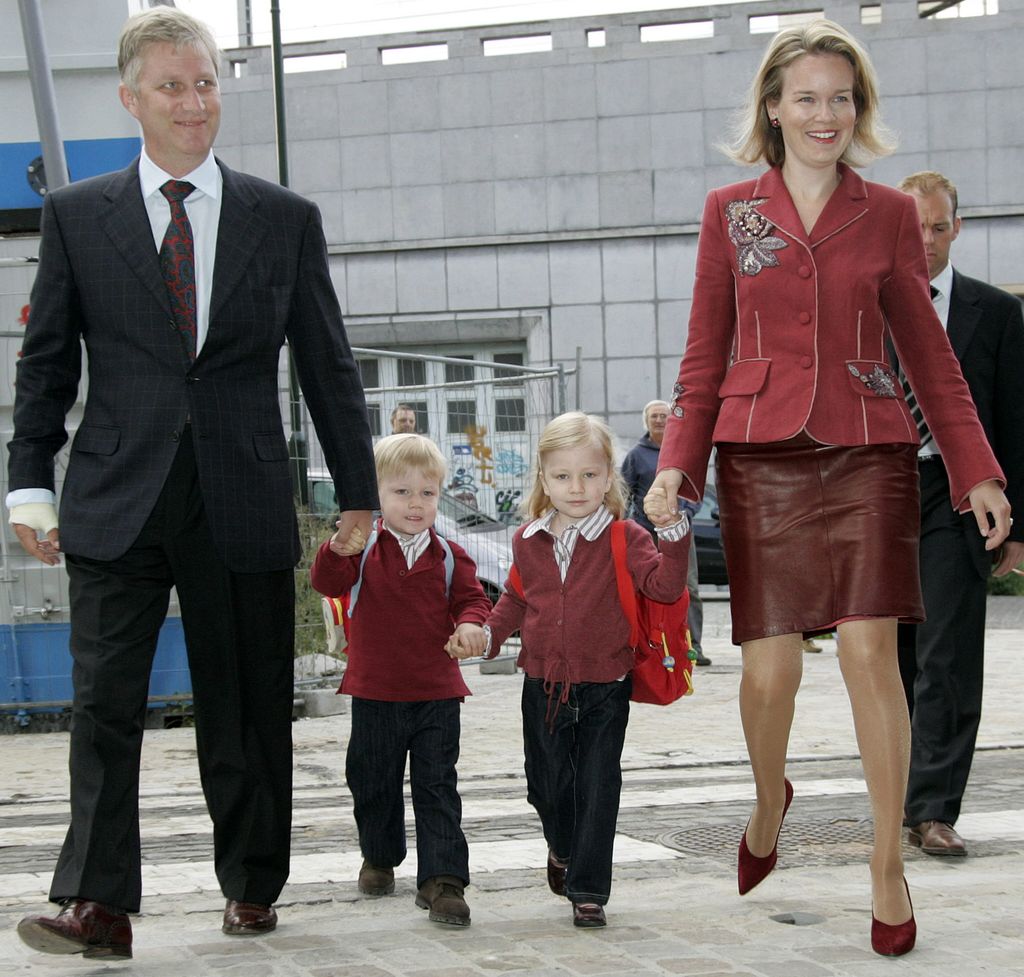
788,332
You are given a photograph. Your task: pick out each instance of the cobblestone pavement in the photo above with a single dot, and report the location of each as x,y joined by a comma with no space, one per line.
674,908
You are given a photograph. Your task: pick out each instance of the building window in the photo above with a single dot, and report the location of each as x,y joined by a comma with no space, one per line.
369,373
412,373
457,372
516,45
596,38
685,31
461,415
373,412
941,10
773,23
509,414
513,360
871,14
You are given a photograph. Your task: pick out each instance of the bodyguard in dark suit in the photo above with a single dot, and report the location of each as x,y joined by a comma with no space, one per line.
942,660
183,280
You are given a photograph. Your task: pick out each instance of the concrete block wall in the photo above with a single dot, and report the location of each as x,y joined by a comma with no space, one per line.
554,197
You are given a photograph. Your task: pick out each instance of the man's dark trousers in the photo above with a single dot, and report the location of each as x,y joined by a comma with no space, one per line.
239,634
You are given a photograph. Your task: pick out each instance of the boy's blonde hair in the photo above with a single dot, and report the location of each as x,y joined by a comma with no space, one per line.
575,430
399,453
754,137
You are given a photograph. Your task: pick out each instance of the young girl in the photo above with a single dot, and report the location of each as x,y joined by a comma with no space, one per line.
575,649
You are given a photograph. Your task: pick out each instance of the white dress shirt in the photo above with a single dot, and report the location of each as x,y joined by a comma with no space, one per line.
943,284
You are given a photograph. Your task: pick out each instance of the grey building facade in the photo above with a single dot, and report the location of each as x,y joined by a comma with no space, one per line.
550,200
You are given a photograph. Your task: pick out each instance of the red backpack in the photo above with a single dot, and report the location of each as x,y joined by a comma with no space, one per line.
659,636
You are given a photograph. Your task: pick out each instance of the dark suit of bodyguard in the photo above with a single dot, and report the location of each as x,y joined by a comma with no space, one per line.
943,660
179,475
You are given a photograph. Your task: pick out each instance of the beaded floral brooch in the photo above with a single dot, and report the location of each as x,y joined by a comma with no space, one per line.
879,381
752,234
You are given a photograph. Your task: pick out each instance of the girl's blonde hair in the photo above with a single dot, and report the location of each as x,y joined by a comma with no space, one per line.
398,453
754,138
575,430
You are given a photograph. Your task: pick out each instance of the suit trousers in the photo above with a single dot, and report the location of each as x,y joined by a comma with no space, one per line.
574,776
942,661
239,632
383,735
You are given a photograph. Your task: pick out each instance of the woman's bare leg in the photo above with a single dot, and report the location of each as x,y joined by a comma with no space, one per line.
867,657
772,668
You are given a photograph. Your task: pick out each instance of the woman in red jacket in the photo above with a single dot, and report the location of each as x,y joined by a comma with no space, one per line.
804,275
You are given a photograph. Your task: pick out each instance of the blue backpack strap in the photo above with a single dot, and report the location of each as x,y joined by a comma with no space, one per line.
449,564
353,594
449,569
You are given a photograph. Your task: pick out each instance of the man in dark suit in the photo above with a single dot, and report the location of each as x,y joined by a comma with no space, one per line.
942,660
183,279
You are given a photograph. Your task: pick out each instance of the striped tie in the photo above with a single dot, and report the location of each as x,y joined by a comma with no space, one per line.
915,410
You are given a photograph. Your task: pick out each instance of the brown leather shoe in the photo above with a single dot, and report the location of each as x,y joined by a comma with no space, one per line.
82,926
588,915
444,895
556,874
248,918
937,838
376,881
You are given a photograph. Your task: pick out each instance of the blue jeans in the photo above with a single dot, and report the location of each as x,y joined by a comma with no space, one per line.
574,777
383,734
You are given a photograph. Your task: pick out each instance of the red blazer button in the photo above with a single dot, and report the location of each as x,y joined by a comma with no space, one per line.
804,272
805,317
806,362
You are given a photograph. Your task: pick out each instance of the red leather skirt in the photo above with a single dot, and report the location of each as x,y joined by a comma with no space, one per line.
818,534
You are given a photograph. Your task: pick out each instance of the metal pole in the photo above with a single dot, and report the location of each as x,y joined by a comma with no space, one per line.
298,448
43,97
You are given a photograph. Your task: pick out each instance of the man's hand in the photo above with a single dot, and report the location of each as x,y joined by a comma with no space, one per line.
354,529
988,498
660,503
1011,557
35,525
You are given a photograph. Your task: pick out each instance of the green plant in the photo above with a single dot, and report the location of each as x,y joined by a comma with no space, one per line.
1012,585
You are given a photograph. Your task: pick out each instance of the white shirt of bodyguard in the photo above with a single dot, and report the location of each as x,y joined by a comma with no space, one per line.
943,284
203,208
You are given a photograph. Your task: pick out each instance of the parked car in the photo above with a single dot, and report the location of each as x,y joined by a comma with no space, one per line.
708,533
487,540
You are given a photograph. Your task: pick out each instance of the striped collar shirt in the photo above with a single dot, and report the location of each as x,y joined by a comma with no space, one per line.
413,547
590,528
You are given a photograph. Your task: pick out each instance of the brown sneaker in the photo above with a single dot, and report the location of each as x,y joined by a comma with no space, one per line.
376,881
443,896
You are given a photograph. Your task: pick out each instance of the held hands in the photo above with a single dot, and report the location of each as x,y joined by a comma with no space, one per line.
1010,558
468,641
35,525
353,532
660,503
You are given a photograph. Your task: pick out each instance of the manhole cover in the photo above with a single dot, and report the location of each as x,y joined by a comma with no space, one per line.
836,842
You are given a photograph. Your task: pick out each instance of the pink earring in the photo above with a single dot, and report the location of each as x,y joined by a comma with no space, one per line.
774,123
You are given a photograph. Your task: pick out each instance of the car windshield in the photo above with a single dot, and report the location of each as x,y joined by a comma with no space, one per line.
466,517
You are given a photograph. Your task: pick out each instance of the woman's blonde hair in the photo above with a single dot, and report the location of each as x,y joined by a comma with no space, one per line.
399,453
575,430
755,140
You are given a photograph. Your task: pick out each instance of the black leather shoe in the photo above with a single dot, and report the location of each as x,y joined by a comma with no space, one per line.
556,874
82,926
702,660
248,918
587,915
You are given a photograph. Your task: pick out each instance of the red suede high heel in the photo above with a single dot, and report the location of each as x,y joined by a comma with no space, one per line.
754,869
894,941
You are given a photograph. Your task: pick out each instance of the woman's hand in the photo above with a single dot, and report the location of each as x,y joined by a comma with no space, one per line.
660,505
986,499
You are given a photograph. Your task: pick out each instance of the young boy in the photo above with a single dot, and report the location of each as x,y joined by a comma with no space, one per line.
406,689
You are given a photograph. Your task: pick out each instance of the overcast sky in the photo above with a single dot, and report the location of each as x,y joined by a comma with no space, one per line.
304,20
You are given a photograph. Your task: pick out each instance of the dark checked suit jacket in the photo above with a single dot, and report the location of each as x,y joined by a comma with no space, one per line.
986,331
99,285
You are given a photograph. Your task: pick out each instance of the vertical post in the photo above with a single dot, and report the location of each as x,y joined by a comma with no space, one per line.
298,449
54,162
